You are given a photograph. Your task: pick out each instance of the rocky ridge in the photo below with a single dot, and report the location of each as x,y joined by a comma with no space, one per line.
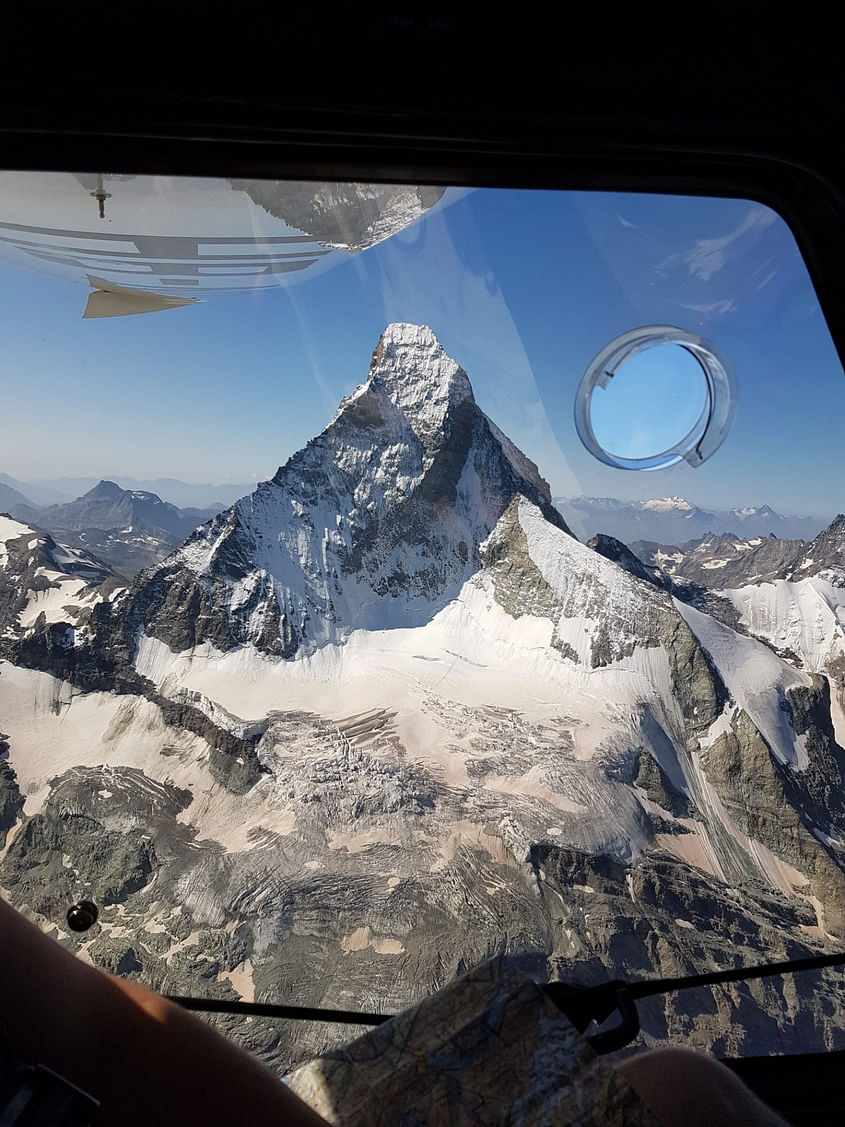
44,582
722,561
127,529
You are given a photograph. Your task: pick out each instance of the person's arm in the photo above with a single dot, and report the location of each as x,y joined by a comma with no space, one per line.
145,1059
684,1088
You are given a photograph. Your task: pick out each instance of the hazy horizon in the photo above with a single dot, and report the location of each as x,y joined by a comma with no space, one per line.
85,482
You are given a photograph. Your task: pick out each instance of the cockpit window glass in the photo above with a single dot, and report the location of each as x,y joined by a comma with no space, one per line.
334,662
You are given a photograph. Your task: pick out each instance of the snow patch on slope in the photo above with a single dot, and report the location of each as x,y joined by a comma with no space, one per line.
806,617
52,601
756,679
52,727
10,530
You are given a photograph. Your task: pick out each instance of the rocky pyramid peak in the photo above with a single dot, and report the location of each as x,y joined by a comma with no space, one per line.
619,553
411,379
378,520
105,488
407,355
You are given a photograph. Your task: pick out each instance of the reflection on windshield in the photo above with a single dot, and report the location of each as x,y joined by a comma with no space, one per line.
184,239
413,680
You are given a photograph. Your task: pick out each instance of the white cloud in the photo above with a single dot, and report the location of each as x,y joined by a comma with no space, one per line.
708,256
714,308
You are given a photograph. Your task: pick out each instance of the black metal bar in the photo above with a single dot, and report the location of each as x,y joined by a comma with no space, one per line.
623,1033
580,1000
266,1009
634,990
738,974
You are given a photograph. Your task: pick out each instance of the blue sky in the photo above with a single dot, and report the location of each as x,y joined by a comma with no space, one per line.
522,288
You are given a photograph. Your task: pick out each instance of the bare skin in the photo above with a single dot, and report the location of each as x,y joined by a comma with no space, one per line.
145,1059
687,1089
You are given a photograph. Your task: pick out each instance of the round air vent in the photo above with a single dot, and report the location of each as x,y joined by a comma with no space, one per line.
654,396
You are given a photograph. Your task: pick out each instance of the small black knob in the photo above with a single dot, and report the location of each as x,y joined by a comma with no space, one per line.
82,915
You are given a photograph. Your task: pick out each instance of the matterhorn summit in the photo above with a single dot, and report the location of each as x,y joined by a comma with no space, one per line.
412,378
377,522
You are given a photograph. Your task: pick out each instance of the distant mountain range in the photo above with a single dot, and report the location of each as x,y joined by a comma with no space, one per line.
10,497
728,561
673,520
125,529
789,594
183,494
666,520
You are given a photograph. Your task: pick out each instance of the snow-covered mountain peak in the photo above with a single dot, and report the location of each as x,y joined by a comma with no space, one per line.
407,355
412,382
664,504
377,521
674,520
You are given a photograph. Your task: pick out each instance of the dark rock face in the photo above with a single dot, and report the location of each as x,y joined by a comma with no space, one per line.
659,787
99,838
722,561
97,665
756,791
233,758
696,684
111,865
822,783
183,609
615,550
11,799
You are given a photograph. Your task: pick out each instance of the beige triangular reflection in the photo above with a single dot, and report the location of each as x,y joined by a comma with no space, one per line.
112,300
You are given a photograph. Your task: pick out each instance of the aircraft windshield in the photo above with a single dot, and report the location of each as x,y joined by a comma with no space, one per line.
395,576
